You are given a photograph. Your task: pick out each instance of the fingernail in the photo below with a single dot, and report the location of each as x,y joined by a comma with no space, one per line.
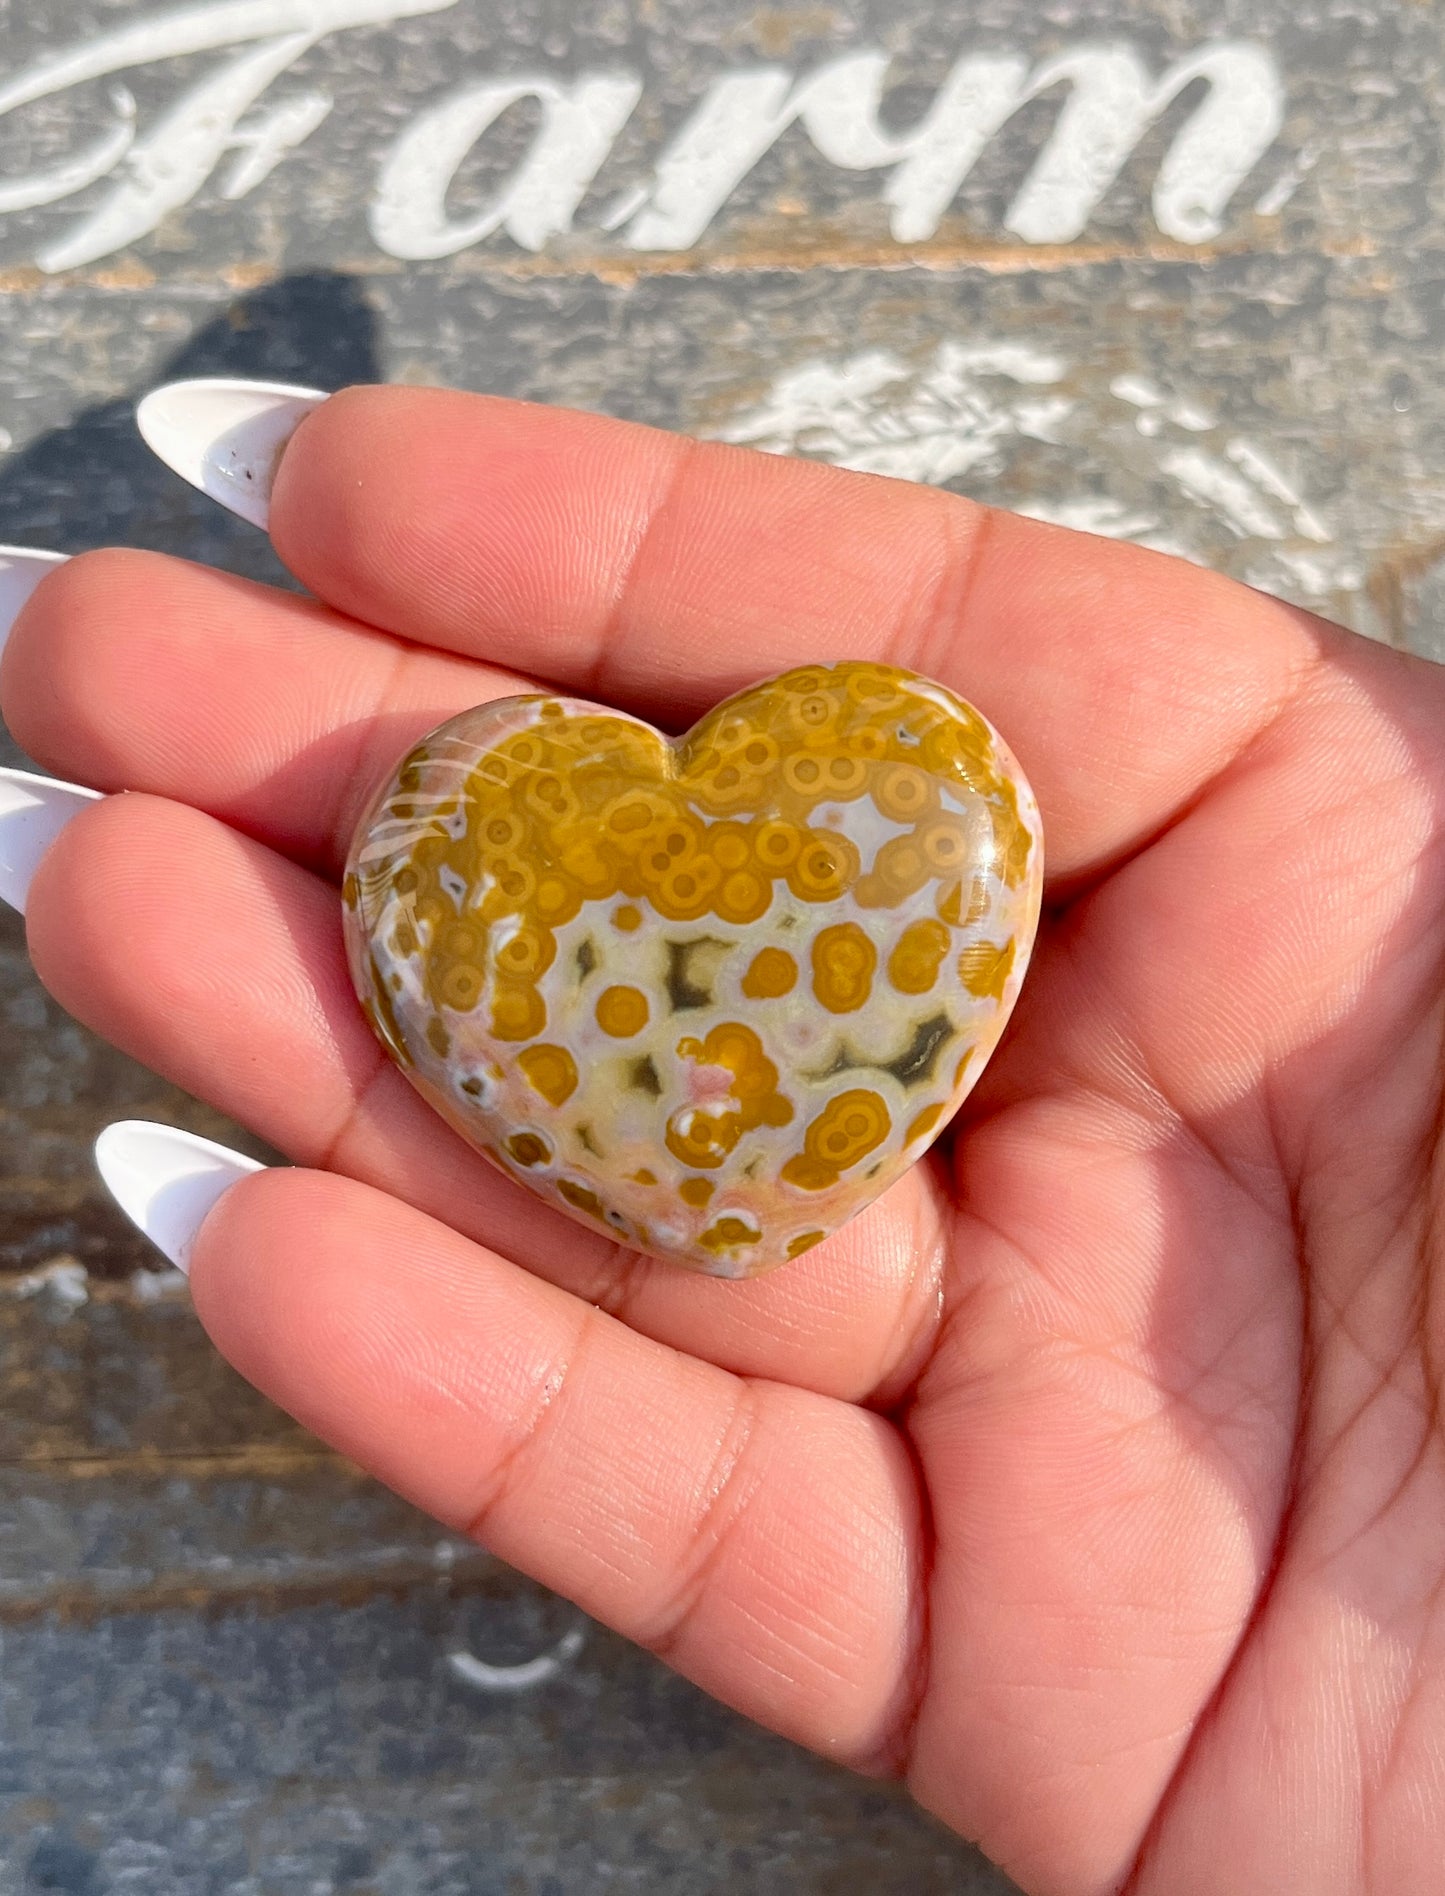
33,812
166,1181
226,437
21,570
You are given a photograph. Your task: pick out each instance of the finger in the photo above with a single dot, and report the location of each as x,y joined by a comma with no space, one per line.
763,1540
658,572
219,964
134,671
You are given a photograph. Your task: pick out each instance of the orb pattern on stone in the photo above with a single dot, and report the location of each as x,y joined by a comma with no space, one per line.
710,995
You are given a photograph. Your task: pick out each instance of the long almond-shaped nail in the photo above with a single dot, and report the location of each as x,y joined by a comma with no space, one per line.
33,812
21,570
166,1181
226,437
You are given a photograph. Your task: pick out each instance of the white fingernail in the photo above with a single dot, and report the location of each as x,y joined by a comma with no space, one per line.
166,1181
21,570
33,812
226,437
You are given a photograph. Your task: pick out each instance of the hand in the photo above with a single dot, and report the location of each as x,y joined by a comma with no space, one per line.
1094,1479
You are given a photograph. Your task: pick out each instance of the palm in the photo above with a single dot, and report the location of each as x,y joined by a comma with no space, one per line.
1094,1478
1181,1427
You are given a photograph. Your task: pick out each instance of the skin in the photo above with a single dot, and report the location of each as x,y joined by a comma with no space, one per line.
1094,1480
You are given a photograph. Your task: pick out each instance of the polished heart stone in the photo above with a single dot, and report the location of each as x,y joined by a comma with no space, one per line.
711,996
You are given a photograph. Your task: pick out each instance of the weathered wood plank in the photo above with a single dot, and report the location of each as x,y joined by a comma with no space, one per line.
1166,272
124,1382
276,1755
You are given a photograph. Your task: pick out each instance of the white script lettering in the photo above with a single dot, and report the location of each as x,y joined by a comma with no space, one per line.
1111,105
169,166
1110,101
580,124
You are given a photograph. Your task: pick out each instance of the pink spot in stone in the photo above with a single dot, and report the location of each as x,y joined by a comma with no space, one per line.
707,1084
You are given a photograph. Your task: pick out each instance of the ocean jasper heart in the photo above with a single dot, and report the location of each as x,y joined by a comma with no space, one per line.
711,996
